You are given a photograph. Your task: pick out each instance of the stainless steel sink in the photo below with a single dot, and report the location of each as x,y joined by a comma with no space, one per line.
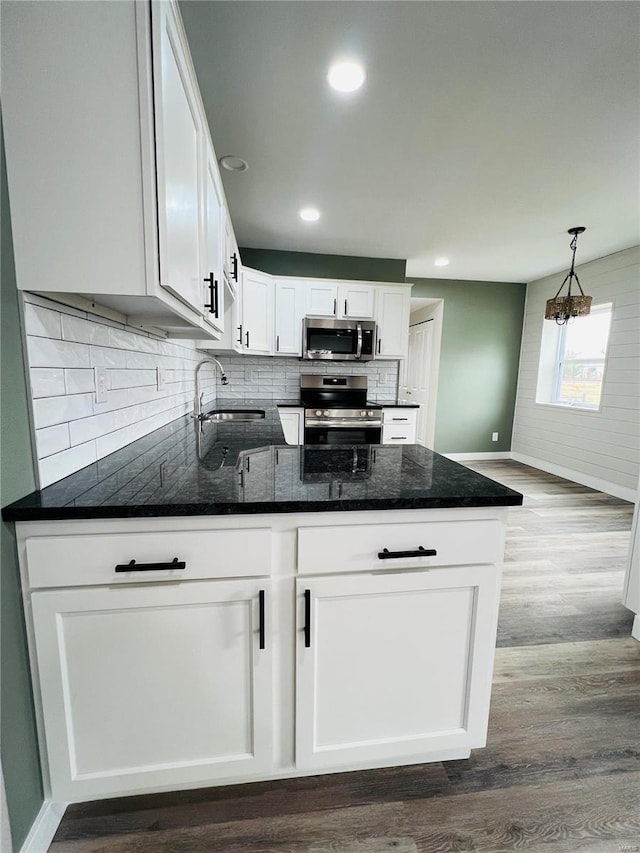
234,415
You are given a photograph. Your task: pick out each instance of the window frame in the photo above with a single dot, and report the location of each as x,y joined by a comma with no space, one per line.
559,361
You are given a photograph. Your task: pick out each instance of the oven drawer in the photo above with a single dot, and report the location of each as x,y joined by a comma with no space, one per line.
356,548
88,559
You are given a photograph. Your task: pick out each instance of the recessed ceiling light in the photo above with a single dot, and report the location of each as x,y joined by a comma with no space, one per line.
346,76
309,214
441,262
233,164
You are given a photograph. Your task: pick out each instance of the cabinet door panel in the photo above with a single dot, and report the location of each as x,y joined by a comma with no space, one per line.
213,246
152,686
257,312
394,667
322,299
357,300
179,146
289,311
392,314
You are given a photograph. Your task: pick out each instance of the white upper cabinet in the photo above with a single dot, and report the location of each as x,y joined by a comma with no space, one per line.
231,252
179,157
289,311
393,307
326,298
213,275
256,330
356,300
321,299
106,160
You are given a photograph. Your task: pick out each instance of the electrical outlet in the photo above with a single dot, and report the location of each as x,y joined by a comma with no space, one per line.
160,379
101,376
494,436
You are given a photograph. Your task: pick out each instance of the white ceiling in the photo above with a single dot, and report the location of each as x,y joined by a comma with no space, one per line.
483,132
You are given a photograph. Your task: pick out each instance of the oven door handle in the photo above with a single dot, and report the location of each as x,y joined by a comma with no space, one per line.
339,422
359,344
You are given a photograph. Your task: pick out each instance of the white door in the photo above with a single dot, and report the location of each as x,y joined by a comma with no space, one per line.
213,245
392,315
154,685
389,666
178,161
321,299
356,300
257,312
416,379
289,311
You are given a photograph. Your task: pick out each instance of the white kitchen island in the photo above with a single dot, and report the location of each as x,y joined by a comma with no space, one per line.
242,644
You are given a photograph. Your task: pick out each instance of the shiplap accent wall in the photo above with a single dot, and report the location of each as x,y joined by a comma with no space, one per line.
598,449
71,428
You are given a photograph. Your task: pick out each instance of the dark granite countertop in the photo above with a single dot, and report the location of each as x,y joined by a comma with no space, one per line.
185,468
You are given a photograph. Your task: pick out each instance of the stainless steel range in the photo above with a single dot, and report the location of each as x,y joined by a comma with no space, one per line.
337,411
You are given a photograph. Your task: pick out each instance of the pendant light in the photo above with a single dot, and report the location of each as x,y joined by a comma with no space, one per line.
562,308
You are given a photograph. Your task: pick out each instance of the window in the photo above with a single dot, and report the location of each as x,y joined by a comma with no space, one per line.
572,360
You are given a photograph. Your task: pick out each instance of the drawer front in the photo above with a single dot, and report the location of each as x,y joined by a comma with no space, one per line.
398,434
399,416
86,560
323,550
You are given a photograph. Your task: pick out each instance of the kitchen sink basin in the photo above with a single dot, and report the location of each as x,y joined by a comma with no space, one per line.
234,415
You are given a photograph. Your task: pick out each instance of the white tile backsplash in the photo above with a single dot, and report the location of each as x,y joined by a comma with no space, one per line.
53,439
73,430
79,380
57,410
85,331
60,465
42,321
63,347
47,381
47,352
252,377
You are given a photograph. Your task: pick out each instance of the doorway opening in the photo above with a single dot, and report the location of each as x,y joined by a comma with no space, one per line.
418,381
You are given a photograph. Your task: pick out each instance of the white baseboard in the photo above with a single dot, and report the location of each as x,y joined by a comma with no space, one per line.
635,628
468,457
44,827
608,488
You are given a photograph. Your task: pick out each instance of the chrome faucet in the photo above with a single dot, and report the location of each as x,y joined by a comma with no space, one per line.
197,403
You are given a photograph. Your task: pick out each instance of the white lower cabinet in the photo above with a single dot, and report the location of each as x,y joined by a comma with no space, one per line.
153,685
386,669
176,653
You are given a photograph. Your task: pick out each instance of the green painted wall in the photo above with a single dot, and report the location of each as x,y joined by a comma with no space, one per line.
18,740
481,331
305,264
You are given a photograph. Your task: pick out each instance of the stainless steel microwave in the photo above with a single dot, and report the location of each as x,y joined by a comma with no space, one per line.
338,340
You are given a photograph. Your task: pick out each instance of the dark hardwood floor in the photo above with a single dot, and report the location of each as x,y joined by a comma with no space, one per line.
561,772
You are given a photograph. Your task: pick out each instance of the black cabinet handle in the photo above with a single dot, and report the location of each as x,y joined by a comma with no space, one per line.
386,554
277,343
246,334
379,345
132,566
261,618
399,419
307,618
346,313
240,338
335,306
211,304
234,268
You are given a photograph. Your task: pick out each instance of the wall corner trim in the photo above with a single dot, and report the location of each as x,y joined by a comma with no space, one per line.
44,827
